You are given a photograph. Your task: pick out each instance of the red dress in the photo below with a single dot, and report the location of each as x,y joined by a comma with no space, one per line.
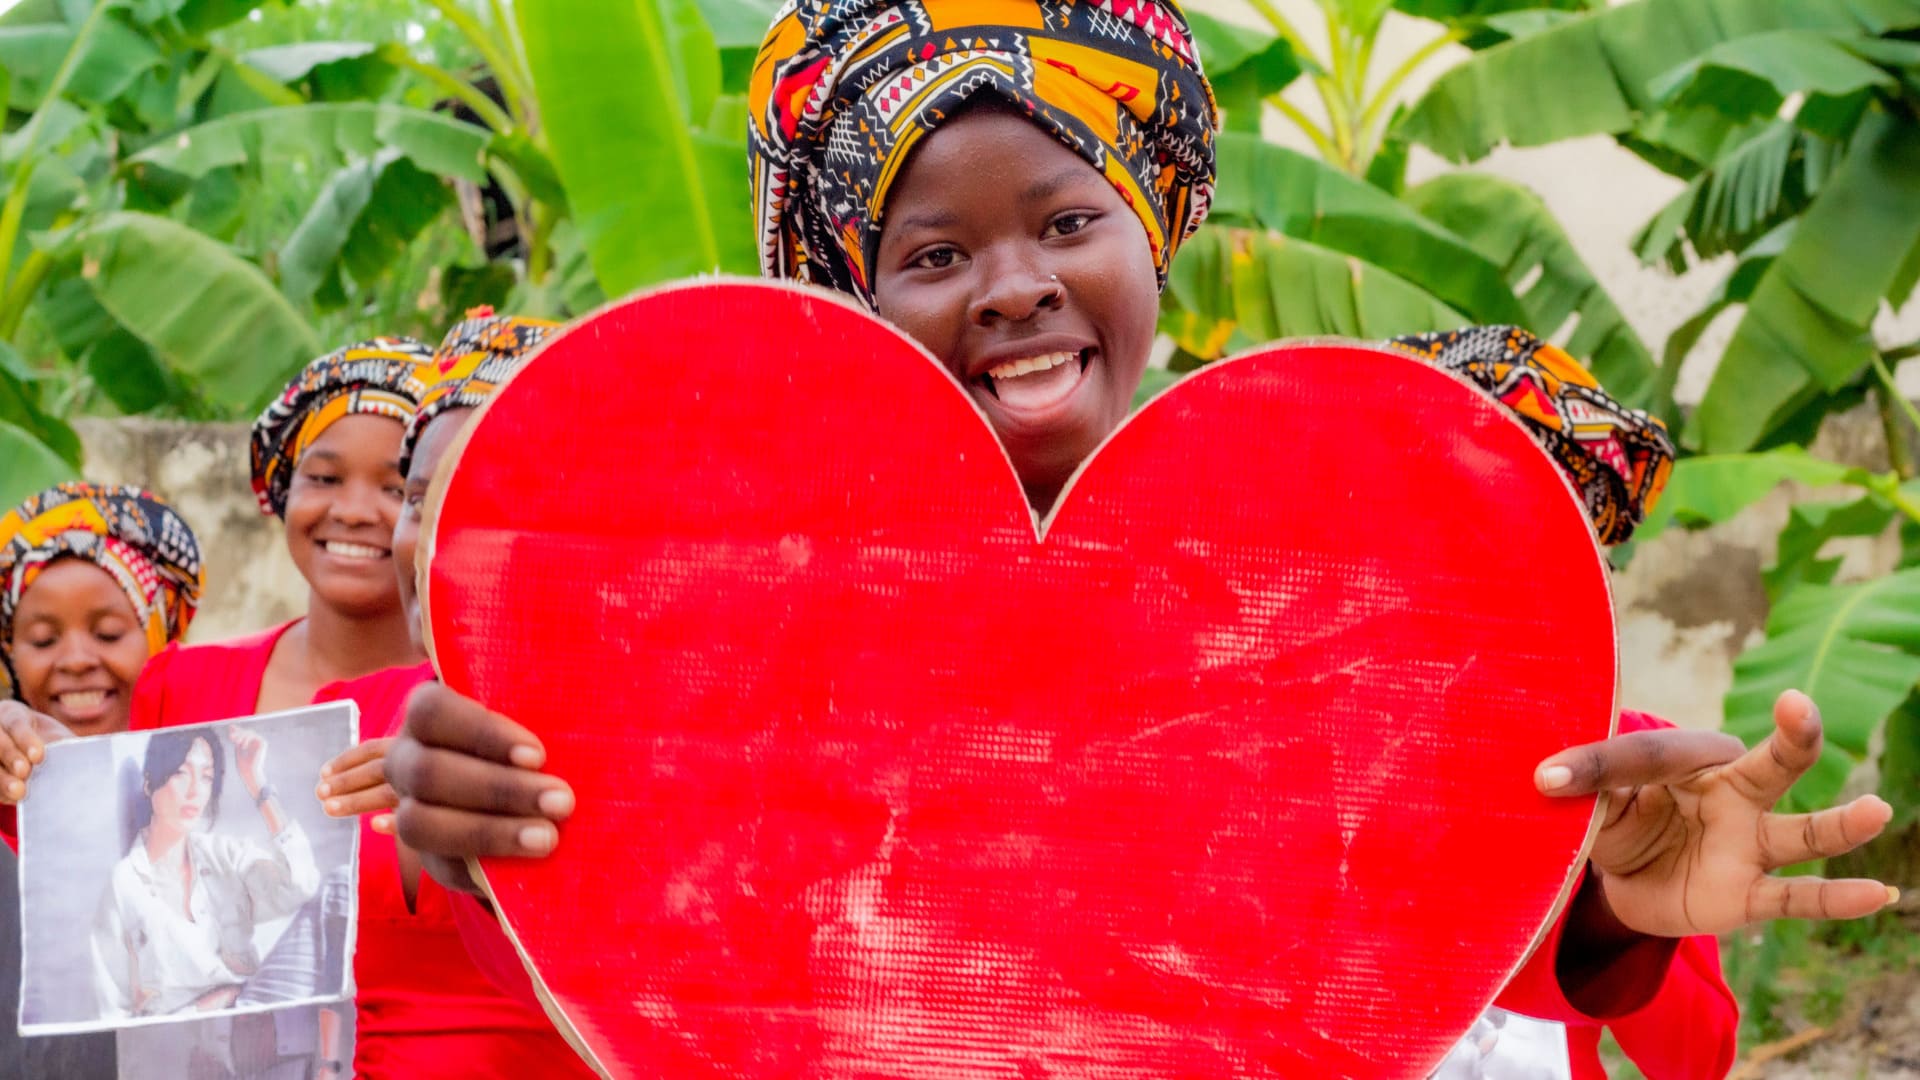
1686,1031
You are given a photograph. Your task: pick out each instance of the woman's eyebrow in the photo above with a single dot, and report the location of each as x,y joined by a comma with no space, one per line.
1050,185
931,219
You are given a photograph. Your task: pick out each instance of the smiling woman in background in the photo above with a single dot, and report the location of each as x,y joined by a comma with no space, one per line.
326,462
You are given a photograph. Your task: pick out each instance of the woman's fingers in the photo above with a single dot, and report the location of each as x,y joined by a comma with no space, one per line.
379,797
365,775
358,754
1763,774
1786,839
458,833
439,717
1666,756
1816,898
22,747
456,781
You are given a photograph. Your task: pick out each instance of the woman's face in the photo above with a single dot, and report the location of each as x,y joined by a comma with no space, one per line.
78,645
181,802
427,453
1021,268
341,507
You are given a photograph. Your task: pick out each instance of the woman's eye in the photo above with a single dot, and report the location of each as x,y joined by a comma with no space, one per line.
939,258
1068,224
396,491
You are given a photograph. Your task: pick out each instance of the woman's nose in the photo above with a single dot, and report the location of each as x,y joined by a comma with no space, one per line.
77,654
1014,290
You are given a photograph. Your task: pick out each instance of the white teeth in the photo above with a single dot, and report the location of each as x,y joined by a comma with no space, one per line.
83,699
352,551
1013,369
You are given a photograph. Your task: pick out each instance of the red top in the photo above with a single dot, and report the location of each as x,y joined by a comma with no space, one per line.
422,1009
1685,1031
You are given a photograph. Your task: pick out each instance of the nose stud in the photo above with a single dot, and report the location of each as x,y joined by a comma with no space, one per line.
1053,277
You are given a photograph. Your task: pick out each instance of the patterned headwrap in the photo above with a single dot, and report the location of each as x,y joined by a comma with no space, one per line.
371,377
477,355
1618,458
131,534
843,90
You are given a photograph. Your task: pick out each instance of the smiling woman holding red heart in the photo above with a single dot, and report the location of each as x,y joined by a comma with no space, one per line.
1008,182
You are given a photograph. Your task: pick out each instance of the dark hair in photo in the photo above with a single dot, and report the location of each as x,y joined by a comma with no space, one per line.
166,752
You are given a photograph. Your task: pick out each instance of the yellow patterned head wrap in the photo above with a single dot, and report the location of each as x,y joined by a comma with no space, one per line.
130,533
843,90
477,355
372,376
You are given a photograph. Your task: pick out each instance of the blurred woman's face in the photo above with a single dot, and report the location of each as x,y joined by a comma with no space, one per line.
77,647
341,507
181,802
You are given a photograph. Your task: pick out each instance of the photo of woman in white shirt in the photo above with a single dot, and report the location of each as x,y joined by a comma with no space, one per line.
174,932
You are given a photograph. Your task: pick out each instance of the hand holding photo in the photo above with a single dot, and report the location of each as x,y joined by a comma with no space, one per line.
185,894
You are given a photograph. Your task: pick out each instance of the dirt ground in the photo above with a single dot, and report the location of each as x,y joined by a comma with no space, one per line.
1875,1032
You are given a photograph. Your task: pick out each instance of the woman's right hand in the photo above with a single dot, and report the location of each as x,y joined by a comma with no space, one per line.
24,735
469,785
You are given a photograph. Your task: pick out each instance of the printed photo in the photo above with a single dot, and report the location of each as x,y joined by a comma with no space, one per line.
186,874
1508,1046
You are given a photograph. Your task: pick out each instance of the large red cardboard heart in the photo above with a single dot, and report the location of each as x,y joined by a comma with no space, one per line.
1229,775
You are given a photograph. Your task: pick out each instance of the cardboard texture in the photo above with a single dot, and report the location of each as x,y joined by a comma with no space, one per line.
1228,775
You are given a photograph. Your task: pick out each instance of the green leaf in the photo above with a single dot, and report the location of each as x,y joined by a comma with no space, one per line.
1244,66
1900,764
436,143
128,373
738,26
532,165
19,408
1152,383
1758,183
1809,527
1753,75
362,220
28,465
633,168
1855,649
1593,75
1736,288
291,63
1510,226
1231,289
1806,330
1712,488
211,315
115,55
333,70
1286,192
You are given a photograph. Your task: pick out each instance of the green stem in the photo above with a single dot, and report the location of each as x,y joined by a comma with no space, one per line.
468,94
1903,352
33,273
1305,123
15,209
1282,27
513,82
1892,390
1383,98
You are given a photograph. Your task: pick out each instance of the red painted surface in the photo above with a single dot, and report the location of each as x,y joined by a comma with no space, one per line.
1230,775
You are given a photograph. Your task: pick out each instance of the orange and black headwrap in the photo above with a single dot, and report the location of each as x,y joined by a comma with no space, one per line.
844,90
481,352
132,534
1618,458
367,377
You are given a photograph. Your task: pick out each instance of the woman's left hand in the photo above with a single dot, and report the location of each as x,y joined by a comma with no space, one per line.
356,781
250,757
1690,839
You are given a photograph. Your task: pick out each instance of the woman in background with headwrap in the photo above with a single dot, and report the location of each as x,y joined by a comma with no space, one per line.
1007,181
94,580
423,1008
326,462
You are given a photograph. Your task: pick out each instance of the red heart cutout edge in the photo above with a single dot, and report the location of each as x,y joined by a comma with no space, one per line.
1227,775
